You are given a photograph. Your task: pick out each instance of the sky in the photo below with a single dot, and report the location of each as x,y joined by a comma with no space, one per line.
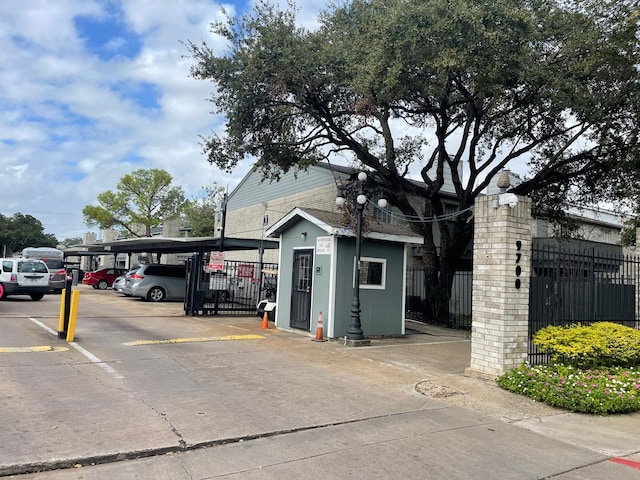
91,90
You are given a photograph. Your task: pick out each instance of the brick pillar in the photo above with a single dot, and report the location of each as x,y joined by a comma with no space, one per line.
501,271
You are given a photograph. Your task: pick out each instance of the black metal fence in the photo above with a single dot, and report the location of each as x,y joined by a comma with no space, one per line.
234,290
573,284
459,298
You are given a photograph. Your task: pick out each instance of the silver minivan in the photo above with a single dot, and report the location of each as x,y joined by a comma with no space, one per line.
156,282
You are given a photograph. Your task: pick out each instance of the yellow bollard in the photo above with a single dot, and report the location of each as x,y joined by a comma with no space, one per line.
61,318
75,296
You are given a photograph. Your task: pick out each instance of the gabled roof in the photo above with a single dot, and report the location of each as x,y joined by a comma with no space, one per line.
334,223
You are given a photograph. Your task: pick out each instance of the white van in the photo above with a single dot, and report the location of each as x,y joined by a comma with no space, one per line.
54,259
23,276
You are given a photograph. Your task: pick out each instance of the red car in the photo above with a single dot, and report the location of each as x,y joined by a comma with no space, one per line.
103,278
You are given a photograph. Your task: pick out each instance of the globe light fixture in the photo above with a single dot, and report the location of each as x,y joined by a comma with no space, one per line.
354,333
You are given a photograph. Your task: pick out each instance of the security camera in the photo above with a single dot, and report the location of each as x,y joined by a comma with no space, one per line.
507,199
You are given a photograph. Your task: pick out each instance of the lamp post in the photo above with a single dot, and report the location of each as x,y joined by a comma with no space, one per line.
355,335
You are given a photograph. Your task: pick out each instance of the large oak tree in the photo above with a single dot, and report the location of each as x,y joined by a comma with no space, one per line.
466,86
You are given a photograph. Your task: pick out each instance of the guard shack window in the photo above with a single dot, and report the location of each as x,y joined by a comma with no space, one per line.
373,272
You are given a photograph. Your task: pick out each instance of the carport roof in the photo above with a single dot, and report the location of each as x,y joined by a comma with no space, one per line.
169,245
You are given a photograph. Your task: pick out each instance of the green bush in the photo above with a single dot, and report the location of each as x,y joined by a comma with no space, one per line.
599,344
596,370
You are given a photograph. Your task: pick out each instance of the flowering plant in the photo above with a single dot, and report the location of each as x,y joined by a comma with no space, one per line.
600,390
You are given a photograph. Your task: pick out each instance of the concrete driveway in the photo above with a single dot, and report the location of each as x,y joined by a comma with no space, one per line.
146,392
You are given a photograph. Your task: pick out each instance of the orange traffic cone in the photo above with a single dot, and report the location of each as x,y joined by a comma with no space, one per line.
265,320
319,331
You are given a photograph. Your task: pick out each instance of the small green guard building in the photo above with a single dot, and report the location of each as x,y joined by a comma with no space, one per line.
316,273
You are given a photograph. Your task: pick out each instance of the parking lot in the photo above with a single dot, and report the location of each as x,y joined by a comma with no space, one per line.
147,392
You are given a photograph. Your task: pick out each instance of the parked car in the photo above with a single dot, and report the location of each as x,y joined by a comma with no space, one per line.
156,282
57,274
24,276
120,283
103,278
54,260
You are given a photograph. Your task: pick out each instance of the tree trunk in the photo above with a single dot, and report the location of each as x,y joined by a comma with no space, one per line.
440,269
436,305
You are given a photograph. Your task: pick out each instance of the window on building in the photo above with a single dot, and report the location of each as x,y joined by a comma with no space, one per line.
373,273
383,216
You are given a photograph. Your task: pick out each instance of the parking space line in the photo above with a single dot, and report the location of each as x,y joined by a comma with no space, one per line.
191,340
42,325
39,348
107,368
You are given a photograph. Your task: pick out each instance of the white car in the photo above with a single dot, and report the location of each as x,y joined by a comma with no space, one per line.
24,276
118,283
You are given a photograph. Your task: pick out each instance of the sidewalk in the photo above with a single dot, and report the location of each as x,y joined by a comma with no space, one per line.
442,355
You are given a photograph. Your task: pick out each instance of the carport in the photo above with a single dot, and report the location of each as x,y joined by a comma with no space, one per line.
206,292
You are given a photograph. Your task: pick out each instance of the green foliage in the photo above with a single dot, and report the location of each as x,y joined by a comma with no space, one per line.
599,344
480,84
628,235
599,390
67,242
144,198
599,373
20,231
199,214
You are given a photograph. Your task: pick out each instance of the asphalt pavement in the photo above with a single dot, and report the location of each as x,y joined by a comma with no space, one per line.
148,393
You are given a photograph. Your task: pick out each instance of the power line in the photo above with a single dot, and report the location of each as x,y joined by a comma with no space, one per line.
418,218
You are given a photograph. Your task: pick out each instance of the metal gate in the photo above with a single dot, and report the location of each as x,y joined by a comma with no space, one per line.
234,290
459,298
580,282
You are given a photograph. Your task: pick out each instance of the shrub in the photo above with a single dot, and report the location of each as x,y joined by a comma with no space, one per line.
623,344
599,344
599,391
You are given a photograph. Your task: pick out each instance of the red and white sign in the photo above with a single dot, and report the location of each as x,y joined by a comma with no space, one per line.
245,270
216,261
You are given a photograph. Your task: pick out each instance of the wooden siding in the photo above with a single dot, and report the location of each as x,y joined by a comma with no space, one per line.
381,310
253,190
247,222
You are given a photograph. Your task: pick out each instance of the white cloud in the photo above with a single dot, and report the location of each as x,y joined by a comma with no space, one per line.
67,131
